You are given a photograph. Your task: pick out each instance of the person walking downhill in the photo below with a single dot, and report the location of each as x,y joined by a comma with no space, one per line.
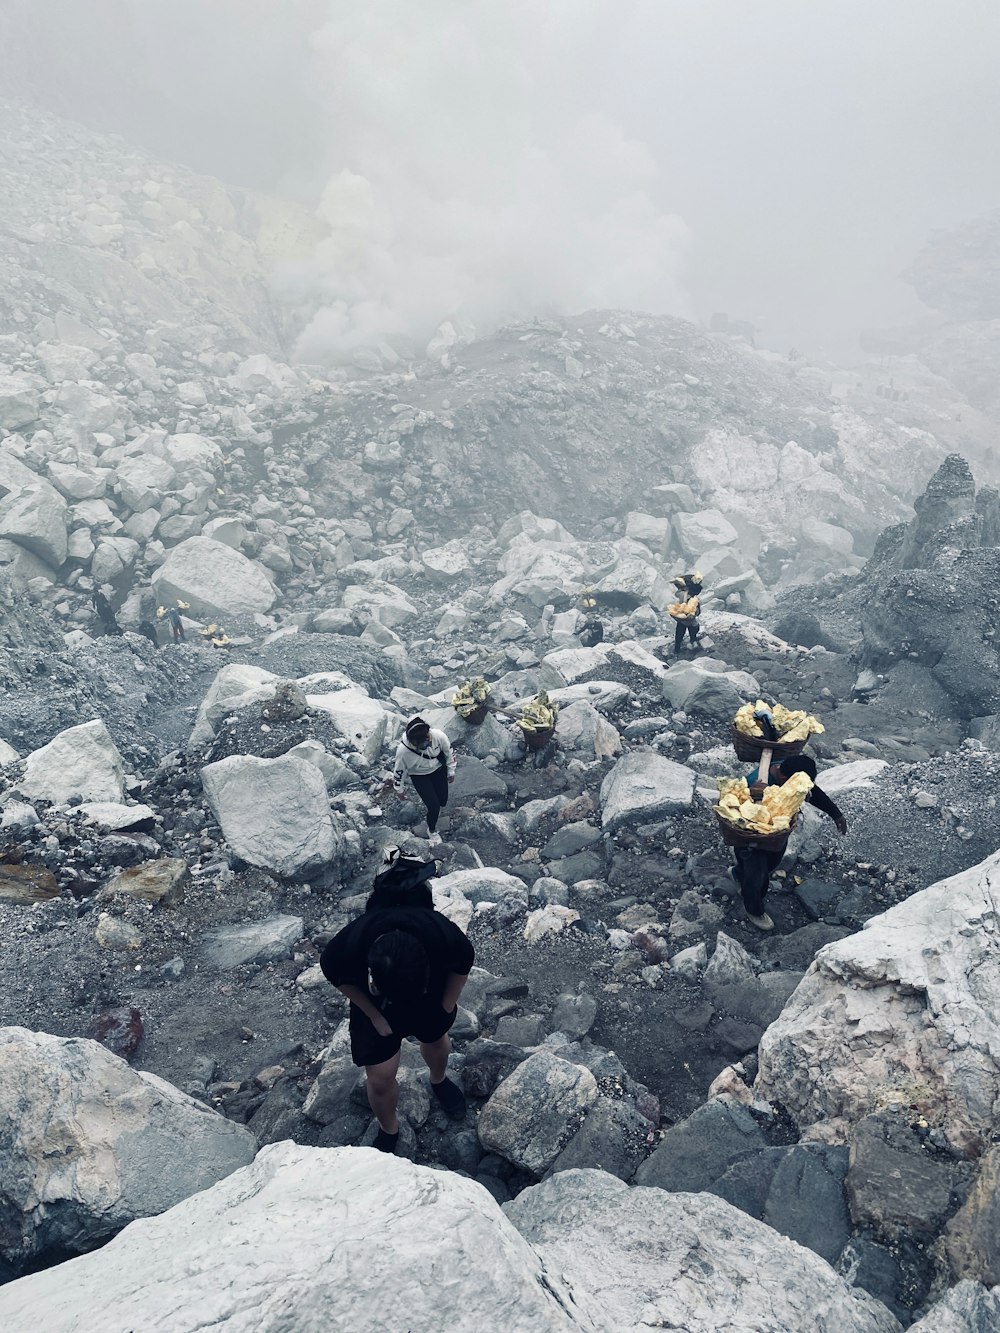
689,587
754,867
426,757
403,966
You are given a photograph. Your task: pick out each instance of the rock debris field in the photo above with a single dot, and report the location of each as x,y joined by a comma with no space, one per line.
674,1119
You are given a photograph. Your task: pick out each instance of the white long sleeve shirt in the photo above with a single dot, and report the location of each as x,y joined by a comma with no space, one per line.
410,760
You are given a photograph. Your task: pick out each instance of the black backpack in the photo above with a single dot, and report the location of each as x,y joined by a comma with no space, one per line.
403,884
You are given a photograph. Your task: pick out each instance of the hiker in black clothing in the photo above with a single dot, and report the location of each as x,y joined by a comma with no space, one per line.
176,625
402,965
688,586
591,632
148,629
105,612
754,866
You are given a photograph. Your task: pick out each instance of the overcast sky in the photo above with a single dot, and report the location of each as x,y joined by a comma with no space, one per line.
779,159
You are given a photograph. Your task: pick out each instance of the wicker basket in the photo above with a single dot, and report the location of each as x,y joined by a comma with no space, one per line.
539,738
478,715
740,837
750,748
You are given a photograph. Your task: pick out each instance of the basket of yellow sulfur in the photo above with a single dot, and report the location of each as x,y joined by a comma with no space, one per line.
789,731
733,836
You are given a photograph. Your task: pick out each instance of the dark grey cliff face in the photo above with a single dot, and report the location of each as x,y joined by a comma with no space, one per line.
931,593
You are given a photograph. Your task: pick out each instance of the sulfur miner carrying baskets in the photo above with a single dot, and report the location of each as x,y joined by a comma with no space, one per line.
757,813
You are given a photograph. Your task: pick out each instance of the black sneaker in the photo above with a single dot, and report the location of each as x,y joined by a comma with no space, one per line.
384,1141
451,1099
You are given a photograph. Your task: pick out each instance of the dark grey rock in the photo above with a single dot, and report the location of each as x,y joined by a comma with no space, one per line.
806,1198
695,1153
614,1137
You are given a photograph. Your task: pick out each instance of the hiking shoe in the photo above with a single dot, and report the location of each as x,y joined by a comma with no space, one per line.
434,839
450,1098
762,922
384,1141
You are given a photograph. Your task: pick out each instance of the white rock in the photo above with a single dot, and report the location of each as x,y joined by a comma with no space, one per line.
858,775
581,727
447,562
90,1144
264,941
360,719
452,903
567,665
144,480
274,813
607,694
644,787
229,531
693,688
90,412
36,518
697,532
336,773
635,582
484,884
186,451
8,755
251,1254
691,1262
235,685
388,604
80,761
113,815
18,402
79,481
551,919
828,536
652,531
968,1308
911,1001
213,579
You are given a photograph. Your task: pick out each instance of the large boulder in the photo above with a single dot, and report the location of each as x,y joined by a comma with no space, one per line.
18,402
36,519
213,579
90,1144
644,787
308,1238
689,1262
536,1109
698,532
361,720
967,1308
143,481
235,686
274,813
80,761
909,1006
692,687
482,885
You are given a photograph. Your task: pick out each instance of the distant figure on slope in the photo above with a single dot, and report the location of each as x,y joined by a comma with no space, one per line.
176,624
754,866
148,629
687,611
105,611
426,757
403,966
591,632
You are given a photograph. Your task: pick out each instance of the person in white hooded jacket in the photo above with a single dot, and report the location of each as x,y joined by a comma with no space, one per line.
425,756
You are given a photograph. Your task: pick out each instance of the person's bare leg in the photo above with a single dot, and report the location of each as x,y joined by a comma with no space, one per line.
383,1092
435,1055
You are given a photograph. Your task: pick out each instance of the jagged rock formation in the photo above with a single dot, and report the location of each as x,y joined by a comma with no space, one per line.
931,592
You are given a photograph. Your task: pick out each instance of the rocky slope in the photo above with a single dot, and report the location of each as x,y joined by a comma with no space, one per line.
184,825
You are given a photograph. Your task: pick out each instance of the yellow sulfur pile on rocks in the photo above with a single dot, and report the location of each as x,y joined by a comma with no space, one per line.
472,695
773,813
790,724
683,610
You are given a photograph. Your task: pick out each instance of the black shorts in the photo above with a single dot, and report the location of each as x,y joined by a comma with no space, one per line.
427,1021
